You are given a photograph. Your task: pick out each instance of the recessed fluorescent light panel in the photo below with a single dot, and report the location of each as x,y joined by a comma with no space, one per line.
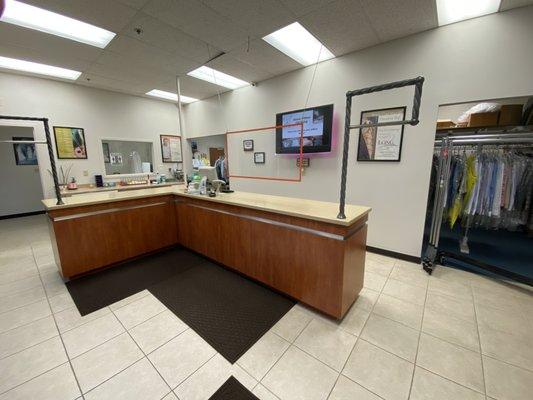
450,11
31,17
36,68
170,96
217,77
296,42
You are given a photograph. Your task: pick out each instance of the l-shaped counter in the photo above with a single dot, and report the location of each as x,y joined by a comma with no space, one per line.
295,246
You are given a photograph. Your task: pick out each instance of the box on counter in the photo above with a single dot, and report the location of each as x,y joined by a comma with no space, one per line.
510,115
483,119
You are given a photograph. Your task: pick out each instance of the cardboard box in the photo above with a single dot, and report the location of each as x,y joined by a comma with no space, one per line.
445,124
510,115
483,119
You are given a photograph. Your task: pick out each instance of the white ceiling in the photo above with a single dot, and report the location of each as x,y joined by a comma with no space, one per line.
181,35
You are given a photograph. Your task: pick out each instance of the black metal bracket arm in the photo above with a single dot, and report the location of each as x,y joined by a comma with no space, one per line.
48,144
417,82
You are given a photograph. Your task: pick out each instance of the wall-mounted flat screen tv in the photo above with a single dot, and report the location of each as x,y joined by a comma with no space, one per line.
317,126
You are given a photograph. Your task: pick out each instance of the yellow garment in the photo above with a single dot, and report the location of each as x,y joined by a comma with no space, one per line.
460,201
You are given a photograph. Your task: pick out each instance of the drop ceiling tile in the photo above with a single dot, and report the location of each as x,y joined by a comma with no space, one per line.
102,82
138,4
302,7
107,14
54,46
341,26
139,52
192,87
198,20
394,19
257,17
509,4
232,66
260,54
44,57
161,35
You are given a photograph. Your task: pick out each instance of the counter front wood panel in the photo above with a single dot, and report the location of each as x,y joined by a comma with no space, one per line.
318,263
90,237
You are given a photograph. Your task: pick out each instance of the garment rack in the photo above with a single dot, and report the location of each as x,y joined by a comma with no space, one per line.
446,144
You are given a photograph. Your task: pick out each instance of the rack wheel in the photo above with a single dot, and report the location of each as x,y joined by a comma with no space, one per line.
427,265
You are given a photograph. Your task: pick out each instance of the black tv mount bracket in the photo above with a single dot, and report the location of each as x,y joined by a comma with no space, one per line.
417,82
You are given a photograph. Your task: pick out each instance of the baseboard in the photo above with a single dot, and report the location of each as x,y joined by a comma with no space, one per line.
394,254
22,214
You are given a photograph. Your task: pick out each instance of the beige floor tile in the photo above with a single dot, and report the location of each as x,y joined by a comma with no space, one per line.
451,329
87,336
129,299
101,363
27,364
459,308
298,376
326,342
170,396
354,320
450,361
22,285
56,384
27,335
24,315
427,385
137,382
18,272
393,380
506,382
366,299
399,310
374,281
346,389
180,357
405,291
208,379
508,321
506,347
380,258
410,273
71,318
453,289
376,267
391,336
158,330
262,393
291,324
61,302
507,303
139,311
21,299
263,355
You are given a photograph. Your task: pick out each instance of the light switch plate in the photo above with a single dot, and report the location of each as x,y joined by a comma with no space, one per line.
85,173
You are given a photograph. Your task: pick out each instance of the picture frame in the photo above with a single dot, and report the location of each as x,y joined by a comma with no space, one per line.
171,148
105,149
381,143
248,145
25,153
70,143
259,157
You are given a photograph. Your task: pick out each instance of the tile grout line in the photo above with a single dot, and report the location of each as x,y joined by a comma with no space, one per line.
26,324
479,343
60,337
29,347
418,343
35,377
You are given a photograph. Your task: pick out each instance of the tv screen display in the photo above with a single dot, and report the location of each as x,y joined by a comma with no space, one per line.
317,127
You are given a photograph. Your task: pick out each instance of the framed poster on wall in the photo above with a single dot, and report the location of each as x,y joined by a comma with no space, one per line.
382,143
171,148
25,153
70,142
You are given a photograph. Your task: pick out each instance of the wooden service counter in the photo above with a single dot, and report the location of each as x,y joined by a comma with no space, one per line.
295,246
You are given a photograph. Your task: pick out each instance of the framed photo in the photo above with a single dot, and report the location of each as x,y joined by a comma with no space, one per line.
171,148
248,145
105,149
25,152
70,142
382,143
259,158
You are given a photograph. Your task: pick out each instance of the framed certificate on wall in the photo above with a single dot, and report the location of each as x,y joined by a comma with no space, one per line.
171,148
382,143
70,142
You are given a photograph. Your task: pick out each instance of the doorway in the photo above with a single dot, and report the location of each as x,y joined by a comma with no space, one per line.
214,154
19,173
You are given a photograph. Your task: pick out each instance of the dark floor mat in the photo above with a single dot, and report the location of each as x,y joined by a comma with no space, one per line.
92,292
229,311
232,389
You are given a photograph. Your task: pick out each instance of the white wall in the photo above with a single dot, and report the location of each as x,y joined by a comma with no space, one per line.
488,57
21,184
103,114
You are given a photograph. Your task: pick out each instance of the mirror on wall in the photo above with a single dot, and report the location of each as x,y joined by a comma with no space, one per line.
127,156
